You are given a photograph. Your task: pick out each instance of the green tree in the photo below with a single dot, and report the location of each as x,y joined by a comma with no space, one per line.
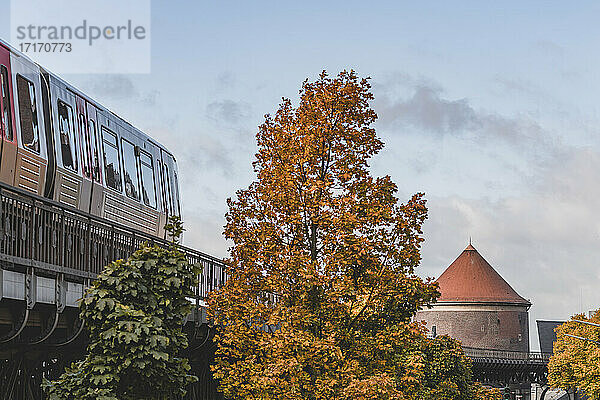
134,312
447,373
447,370
322,287
575,363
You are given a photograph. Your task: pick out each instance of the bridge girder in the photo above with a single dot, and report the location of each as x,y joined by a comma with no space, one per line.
496,371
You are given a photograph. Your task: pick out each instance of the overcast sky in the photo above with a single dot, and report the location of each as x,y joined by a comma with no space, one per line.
491,109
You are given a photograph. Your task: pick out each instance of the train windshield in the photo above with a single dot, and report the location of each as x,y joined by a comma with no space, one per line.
6,116
30,135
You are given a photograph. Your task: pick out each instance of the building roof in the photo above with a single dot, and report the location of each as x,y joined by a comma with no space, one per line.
546,334
470,278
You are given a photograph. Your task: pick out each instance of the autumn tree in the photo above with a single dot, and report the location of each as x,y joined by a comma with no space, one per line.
480,392
323,283
134,312
575,363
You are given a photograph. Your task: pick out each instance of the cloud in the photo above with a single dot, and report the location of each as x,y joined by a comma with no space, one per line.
422,161
426,114
549,48
429,112
226,79
228,111
116,87
120,91
209,154
518,87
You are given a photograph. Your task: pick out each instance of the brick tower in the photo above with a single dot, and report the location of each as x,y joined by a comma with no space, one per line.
478,306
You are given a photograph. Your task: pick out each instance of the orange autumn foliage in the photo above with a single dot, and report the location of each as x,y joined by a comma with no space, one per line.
322,283
575,363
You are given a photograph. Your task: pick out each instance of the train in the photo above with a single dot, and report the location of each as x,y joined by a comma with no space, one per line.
59,143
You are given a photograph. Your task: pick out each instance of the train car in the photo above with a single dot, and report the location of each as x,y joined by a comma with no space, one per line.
59,143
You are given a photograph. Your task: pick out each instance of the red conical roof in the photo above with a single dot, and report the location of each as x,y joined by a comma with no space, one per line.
472,279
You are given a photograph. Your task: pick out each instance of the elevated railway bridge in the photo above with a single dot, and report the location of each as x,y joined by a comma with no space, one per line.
50,252
510,368
496,367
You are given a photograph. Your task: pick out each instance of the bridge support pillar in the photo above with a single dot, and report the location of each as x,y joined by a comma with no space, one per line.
61,293
30,288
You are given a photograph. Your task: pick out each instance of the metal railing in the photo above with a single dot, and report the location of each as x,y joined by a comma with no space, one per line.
56,238
538,357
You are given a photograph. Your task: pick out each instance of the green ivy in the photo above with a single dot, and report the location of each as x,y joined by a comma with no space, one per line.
134,313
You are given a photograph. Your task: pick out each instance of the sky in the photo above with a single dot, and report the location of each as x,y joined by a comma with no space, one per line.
489,108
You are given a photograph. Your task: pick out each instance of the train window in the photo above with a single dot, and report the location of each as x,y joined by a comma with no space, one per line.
94,149
85,147
147,170
6,115
30,135
130,170
112,168
67,136
163,194
175,184
167,190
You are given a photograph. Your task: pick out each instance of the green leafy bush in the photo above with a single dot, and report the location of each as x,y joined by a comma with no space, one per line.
134,313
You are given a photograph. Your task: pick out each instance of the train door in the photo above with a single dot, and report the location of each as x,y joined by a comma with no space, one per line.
148,160
164,191
85,151
161,204
8,140
69,180
30,163
96,172
49,135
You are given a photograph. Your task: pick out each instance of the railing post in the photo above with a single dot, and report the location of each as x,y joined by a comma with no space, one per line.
2,219
88,246
32,232
212,277
112,243
63,245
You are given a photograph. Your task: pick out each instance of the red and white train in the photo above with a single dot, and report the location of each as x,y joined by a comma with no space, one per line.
59,143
